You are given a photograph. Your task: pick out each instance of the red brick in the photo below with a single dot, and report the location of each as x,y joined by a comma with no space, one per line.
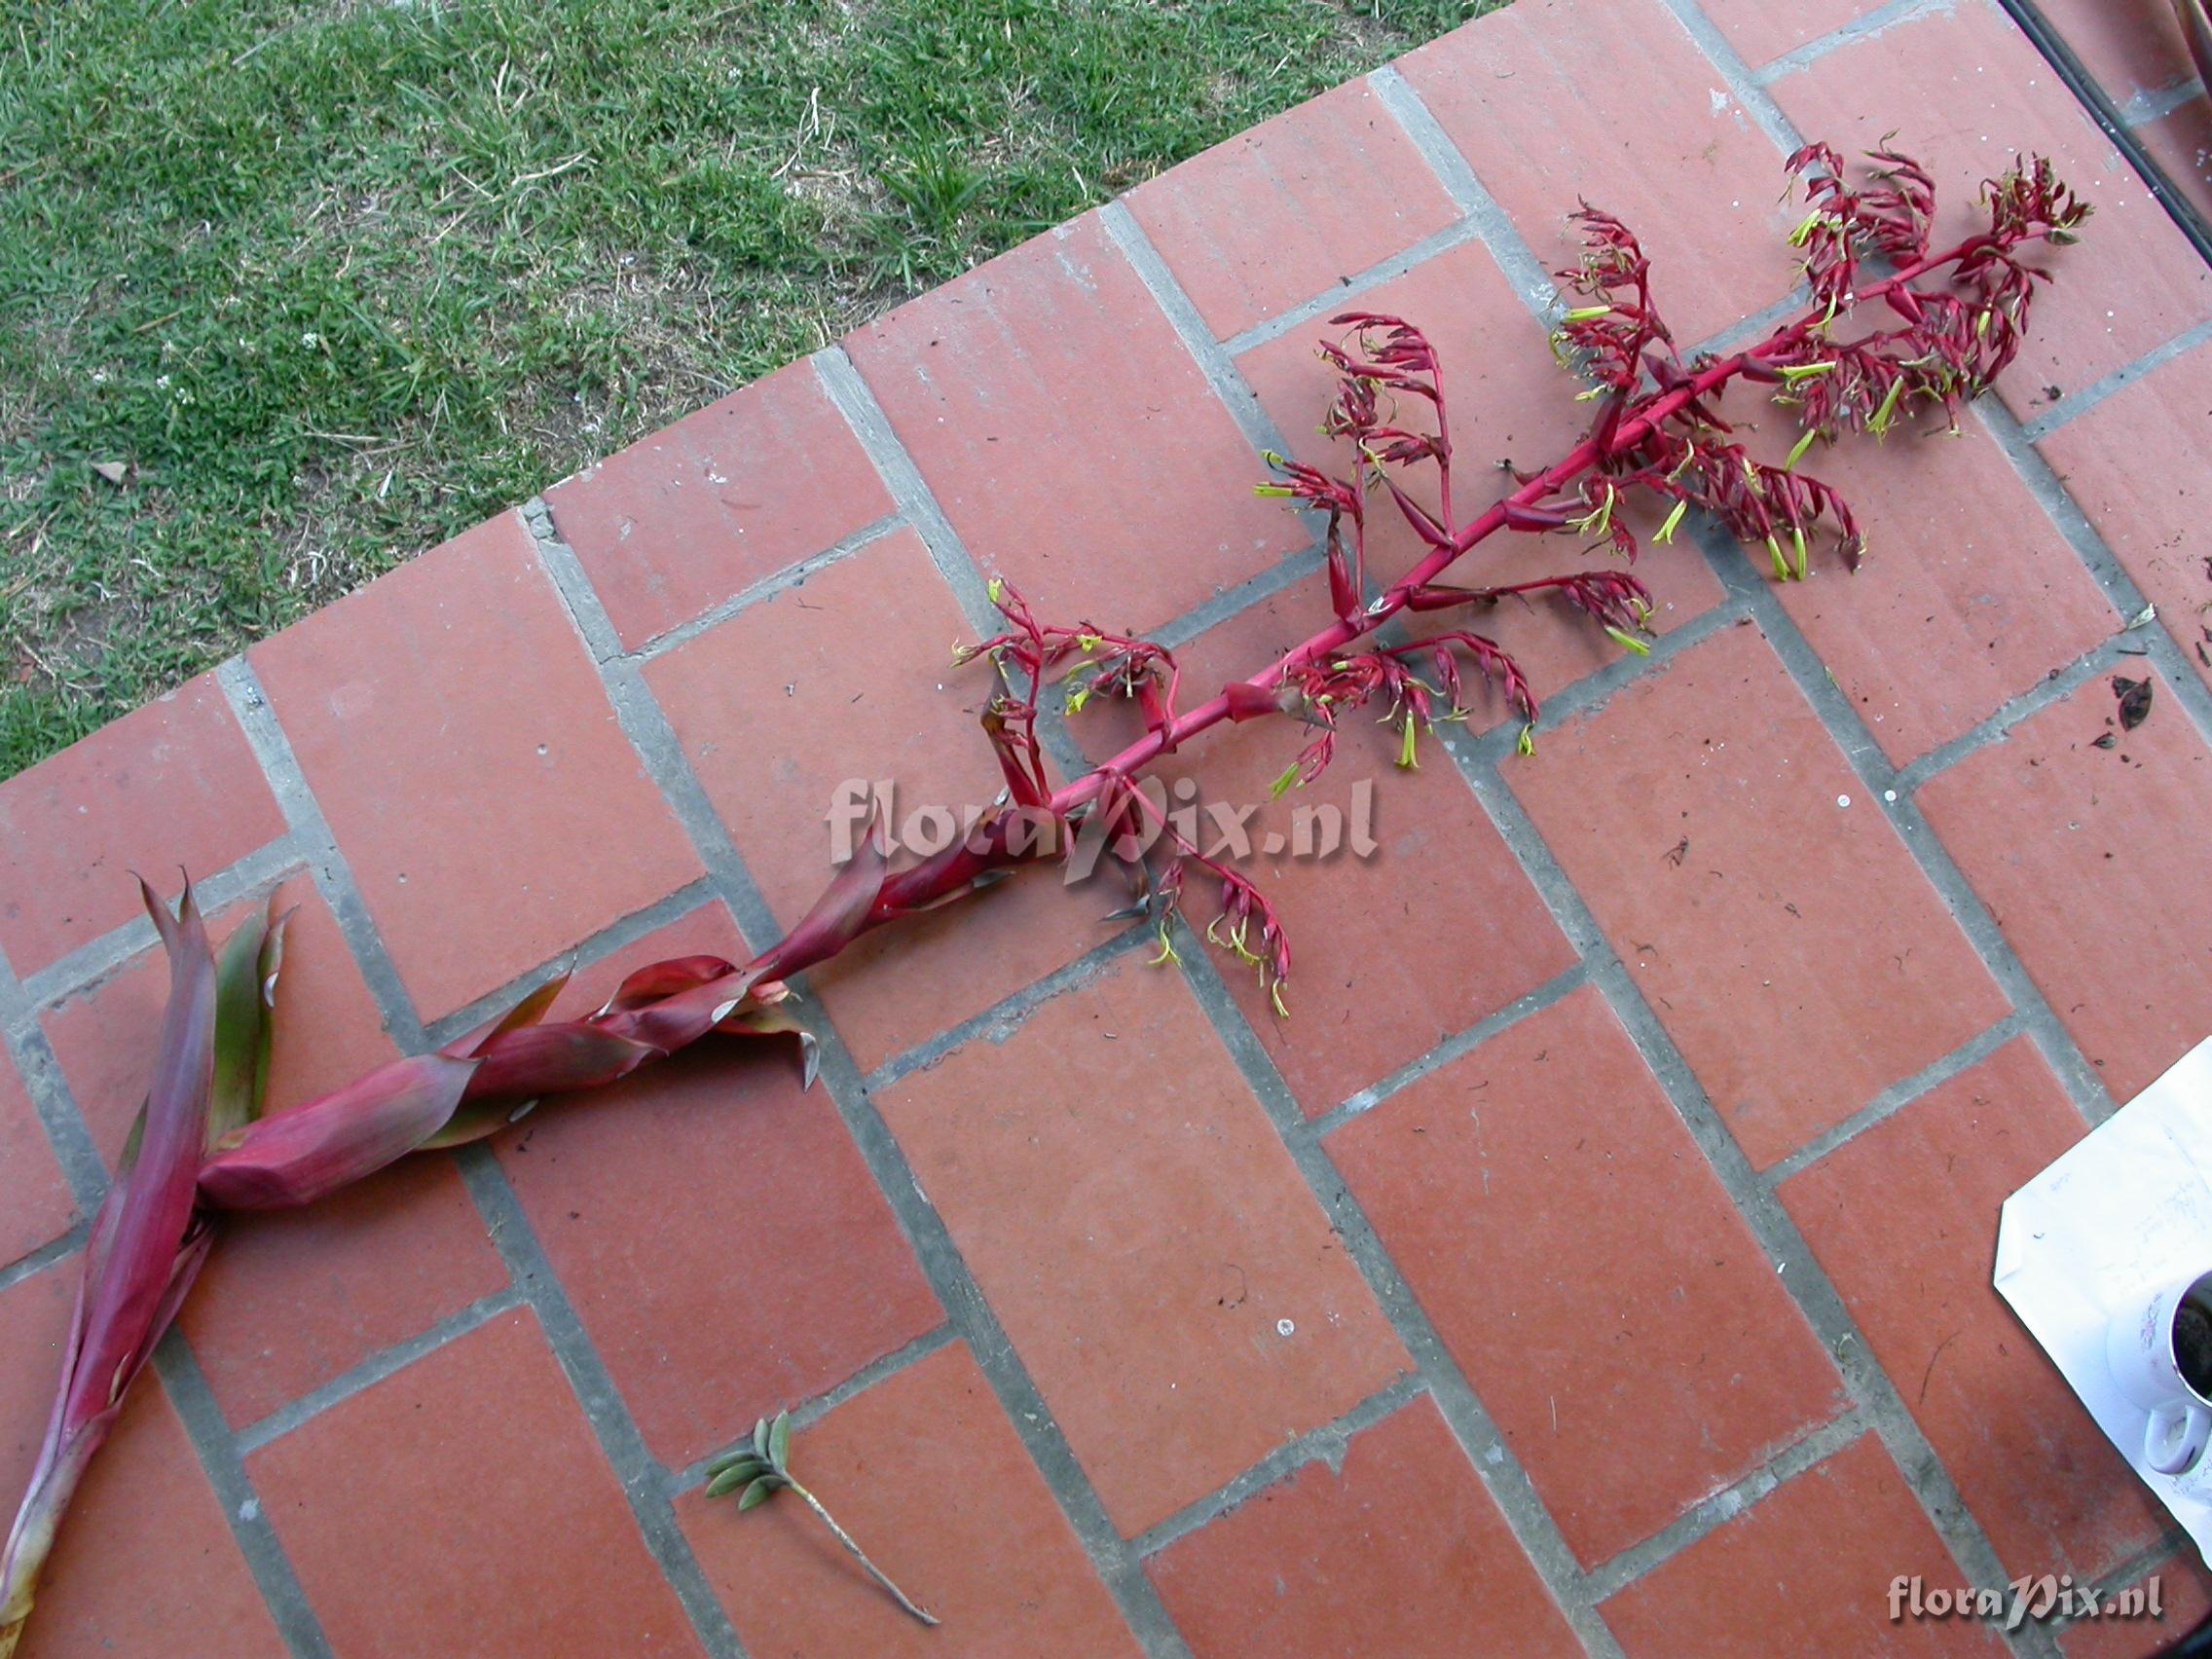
1968,597
464,1502
1390,953
144,1552
1070,437
450,721
1280,213
2130,46
171,784
2181,143
1963,92
2184,1597
292,1299
716,1229
2133,464
1509,401
1139,1229
35,1204
864,701
2082,856
1761,31
1396,1549
731,494
1584,1266
923,1469
1611,101
1806,1569
1900,1219
1793,949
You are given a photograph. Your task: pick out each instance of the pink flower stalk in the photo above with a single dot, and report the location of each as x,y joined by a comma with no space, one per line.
1947,324
146,1246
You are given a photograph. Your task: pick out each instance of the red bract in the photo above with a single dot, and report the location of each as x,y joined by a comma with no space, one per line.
1943,325
495,1073
146,1246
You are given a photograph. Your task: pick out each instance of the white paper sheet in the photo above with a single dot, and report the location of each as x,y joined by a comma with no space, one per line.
2122,1214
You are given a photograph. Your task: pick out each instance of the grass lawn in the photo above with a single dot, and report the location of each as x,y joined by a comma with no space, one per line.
290,292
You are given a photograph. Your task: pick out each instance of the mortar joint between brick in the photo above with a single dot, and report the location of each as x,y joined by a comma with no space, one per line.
1616,1572
51,1100
1863,28
1778,1238
2055,687
806,1413
1460,231
1222,375
1799,1272
504,1220
224,1466
2126,598
1004,1018
58,1248
1480,1439
972,1319
1848,730
1500,743
644,1481
1749,92
939,1257
96,960
2076,404
364,1374
622,931
2174,1547
1326,1444
911,492
1524,271
1895,1098
318,848
793,575
1363,1101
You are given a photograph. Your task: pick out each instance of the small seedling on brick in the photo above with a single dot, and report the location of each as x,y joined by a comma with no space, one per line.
762,1467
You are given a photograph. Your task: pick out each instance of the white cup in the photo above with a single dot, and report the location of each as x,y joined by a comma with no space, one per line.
2140,1347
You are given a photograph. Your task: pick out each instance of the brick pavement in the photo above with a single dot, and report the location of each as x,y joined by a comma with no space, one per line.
1599,1260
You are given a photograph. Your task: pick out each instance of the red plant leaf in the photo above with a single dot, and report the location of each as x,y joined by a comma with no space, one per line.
234,1092
678,1021
841,912
528,1012
776,1019
658,981
311,1151
128,1272
550,1060
271,967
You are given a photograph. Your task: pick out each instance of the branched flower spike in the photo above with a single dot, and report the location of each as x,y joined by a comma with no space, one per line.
760,1468
1870,354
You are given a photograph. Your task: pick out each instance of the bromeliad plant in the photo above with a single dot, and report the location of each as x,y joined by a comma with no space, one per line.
1869,353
